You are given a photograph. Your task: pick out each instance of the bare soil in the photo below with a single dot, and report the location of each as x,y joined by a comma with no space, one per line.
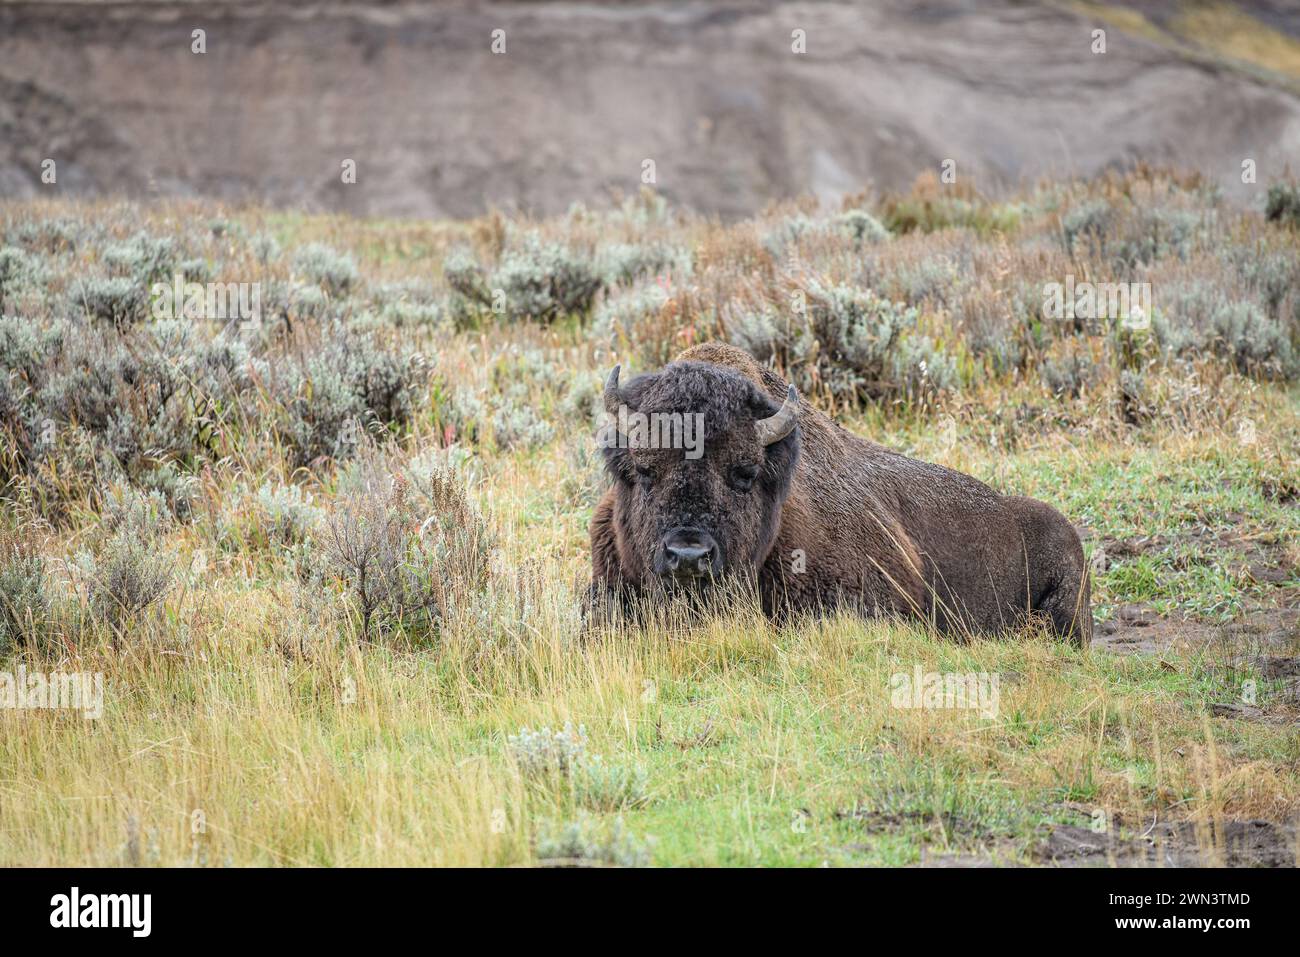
1173,844
1138,628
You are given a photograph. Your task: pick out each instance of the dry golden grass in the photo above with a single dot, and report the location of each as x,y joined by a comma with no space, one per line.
244,725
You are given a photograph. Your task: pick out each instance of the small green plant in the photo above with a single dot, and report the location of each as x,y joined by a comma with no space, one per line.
54,236
922,369
24,592
545,753
585,841
467,279
560,758
1086,227
406,304
407,544
1252,342
862,227
351,386
844,340
779,240
143,258
519,426
278,515
293,302
625,264
119,300
128,571
335,272
265,248
17,269
1283,204
544,281
1067,375
622,316
856,225
288,513
610,785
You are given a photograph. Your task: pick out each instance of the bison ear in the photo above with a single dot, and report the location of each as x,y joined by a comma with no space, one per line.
777,430
610,438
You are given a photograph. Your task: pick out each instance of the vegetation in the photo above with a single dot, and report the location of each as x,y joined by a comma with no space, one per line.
330,559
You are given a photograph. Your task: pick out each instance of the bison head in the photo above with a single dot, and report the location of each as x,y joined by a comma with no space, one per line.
702,460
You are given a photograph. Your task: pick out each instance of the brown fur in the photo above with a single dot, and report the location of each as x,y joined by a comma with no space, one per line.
834,520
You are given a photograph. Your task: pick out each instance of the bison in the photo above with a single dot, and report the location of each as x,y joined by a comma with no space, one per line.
814,516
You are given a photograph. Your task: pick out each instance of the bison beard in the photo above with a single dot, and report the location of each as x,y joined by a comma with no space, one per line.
817,518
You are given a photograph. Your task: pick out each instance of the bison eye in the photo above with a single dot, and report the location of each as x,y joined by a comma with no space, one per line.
643,474
742,477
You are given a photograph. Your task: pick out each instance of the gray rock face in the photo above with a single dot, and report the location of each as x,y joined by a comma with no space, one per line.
585,93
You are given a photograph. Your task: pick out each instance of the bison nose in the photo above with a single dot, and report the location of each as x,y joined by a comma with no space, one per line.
689,553
686,554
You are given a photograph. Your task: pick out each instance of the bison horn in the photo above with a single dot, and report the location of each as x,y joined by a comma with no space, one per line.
613,398
776,427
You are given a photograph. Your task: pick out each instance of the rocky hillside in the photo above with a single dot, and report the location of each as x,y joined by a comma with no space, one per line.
585,93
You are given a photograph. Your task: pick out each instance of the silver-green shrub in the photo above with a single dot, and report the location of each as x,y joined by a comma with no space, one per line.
1283,204
24,592
861,226
128,571
335,272
625,263
544,753
407,544
585,840
844,339
545,281
119,300
143,258
922,369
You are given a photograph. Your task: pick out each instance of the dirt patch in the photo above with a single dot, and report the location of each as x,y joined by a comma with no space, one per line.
993,848
1259,647
1139,628
1278,668
1262,556
1281,693
877,822
1172,844
1002,856
1232,843
1264,631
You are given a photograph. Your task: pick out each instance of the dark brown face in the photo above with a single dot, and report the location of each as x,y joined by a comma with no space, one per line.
702,461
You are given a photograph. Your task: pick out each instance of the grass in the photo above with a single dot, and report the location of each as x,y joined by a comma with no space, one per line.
250,721
1222,33
1235,34
760,747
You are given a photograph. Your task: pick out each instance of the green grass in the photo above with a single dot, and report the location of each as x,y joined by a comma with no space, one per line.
760,747
297,741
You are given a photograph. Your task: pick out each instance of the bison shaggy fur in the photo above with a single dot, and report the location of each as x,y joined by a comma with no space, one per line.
820,519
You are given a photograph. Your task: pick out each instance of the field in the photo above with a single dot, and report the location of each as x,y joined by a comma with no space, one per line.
330,560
